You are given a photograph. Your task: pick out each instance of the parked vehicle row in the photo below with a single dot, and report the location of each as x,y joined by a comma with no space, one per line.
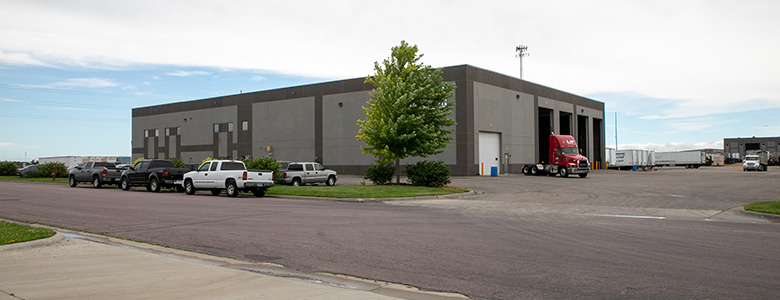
215,176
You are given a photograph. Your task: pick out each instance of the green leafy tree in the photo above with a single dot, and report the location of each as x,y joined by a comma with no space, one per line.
408,113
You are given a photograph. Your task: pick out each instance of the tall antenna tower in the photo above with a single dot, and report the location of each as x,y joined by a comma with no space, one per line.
522,50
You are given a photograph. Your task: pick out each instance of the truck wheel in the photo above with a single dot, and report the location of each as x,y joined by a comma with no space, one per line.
154,185
526,170
123,184
215,192
258,192
563,172
188,188
96,182
72,181
230,189
296,182
583,175
331,181
534,171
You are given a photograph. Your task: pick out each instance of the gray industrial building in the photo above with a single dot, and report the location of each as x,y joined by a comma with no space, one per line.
736,147
501,121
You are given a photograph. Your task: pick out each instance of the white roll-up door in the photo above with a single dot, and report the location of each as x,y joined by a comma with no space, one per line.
489,152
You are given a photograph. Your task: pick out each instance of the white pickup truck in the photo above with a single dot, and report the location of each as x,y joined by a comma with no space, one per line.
229,175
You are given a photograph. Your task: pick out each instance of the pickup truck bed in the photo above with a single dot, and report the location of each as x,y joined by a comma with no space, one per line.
98,173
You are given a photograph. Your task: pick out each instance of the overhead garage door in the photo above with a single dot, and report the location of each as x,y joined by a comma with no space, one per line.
489,152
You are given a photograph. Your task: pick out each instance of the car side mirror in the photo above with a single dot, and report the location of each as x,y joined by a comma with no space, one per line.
580,151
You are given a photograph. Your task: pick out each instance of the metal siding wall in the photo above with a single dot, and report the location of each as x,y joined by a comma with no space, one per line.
287,126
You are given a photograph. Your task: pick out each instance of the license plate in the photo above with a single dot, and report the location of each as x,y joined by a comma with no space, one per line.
177,181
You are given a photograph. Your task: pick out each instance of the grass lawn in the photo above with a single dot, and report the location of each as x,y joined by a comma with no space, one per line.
14,233
771,207
339,191
362,191
37,179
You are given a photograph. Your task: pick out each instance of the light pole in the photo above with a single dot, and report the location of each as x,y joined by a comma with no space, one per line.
521,51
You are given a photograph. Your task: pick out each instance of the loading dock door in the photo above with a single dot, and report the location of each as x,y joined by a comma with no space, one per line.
489,152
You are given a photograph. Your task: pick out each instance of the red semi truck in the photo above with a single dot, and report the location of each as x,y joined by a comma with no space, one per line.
565,158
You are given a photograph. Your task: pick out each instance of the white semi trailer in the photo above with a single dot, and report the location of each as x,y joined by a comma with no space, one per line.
688,159
628,159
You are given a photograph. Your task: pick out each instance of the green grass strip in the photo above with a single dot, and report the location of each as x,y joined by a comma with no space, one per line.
14,233
362,191
37,179
770,207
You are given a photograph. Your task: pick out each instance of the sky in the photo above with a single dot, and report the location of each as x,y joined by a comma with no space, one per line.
677,75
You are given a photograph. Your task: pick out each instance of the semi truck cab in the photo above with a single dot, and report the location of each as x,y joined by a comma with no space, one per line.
565,158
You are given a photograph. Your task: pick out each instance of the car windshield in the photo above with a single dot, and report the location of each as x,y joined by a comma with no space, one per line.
751,158
570,150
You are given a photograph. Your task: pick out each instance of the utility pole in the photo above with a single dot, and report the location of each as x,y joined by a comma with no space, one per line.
616,143
521,51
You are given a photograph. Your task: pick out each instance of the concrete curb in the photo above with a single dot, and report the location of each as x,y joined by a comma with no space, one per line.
770,217
36,243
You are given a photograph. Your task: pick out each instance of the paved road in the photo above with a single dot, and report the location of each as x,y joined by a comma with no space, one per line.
525,237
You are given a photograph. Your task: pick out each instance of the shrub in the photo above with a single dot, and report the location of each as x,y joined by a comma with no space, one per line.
428,173
31,174
380,173
8,168
177,163
265,163
59,168
207,159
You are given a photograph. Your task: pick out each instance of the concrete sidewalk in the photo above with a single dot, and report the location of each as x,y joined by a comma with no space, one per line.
80,266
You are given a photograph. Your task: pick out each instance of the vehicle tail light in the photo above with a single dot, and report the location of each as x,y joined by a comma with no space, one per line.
284,175
165,174
244,177
105,172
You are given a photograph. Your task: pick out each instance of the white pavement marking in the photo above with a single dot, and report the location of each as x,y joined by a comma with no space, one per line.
626,216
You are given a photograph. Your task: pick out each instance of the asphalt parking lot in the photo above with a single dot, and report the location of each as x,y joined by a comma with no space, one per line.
670,192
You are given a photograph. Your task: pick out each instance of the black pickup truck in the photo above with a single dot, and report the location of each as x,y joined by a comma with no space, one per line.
154,174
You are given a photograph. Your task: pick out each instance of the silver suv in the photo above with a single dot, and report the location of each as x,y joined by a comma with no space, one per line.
300,173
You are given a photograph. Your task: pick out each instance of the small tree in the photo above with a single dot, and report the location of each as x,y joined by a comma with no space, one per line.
408,112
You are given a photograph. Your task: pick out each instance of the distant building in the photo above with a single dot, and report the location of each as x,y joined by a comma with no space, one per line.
502,122
72,161
736,147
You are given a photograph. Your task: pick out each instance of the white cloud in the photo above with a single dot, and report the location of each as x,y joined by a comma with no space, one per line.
188,73
75,82
706,57
668,147
6,144
11,100
20,59
58,108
